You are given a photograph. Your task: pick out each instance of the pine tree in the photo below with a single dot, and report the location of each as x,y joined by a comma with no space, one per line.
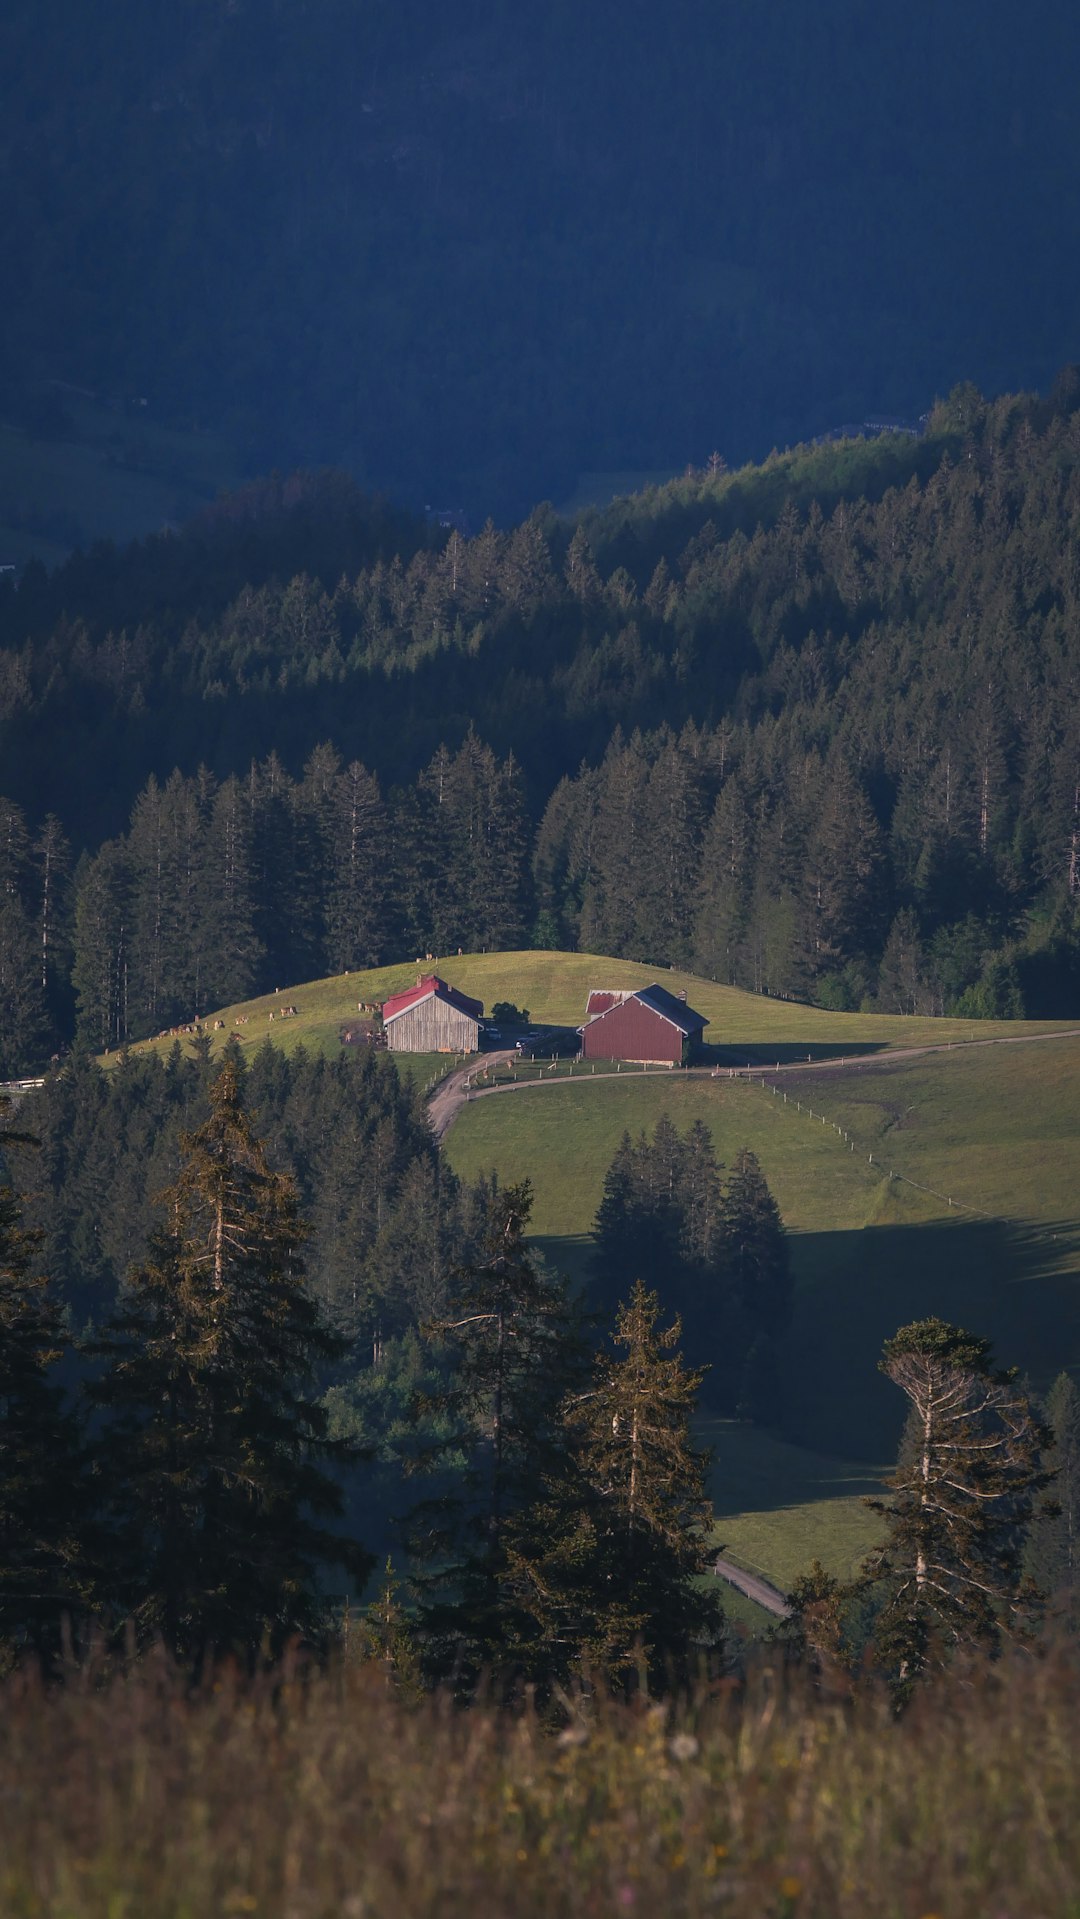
1053,1555
610,908
216,1448
639,1220
356,906
725,885
643,1538
43,1570
901,986
383,1635
52,862
843,877
514,1349
231,952
757,1271
950,1572
24,1021
102,947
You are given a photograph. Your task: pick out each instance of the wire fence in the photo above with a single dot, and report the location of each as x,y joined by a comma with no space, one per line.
872,1159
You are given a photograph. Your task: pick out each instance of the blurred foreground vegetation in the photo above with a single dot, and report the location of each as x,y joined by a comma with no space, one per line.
312,1795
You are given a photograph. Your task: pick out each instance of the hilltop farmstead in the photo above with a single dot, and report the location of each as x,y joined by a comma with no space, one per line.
649,1025
432,1017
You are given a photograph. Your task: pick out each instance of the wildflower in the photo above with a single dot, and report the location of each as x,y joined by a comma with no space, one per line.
683,1747
572,1736
790,1887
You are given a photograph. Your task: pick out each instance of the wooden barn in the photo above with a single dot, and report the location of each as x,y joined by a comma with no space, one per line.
432,1017
649,1025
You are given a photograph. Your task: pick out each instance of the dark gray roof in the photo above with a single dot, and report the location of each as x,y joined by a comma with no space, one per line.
670,1007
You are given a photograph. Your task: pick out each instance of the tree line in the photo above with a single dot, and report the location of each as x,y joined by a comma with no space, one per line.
809,728
563,1522
203,1494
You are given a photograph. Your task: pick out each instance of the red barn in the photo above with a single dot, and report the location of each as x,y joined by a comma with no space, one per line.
651,1024
432,1017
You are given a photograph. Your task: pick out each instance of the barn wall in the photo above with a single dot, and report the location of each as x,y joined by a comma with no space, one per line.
632,1031
433,1027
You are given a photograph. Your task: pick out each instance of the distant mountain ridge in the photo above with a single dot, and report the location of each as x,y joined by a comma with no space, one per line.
472,253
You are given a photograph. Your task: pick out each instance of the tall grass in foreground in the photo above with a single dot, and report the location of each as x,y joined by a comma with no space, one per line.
325,1798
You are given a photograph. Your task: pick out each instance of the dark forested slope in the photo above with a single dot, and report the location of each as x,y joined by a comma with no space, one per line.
811,727
470,252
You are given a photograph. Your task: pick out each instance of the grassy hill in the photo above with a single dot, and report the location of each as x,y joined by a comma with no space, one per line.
875,1241
554,987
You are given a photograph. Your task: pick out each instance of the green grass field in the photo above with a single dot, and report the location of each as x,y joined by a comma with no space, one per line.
779,1507
995,1129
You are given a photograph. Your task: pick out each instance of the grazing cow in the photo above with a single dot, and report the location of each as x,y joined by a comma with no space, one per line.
241,1019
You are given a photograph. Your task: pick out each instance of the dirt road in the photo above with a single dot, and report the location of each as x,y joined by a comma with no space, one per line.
452,1092
759,1590
449,1097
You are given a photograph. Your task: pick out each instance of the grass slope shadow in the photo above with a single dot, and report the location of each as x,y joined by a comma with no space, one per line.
1015,1284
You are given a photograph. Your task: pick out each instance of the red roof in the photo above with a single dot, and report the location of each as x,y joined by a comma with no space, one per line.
599,1001
425,989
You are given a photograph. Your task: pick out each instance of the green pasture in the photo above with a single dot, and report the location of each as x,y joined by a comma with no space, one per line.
779,1507
744,1027
874,1245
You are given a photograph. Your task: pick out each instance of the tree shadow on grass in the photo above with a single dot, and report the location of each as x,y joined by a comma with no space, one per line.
1013,1283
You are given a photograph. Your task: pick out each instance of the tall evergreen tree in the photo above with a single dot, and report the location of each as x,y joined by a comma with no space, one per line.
356,904
512,1339
43,1570
1053,1556
757,1271
24,1021
215,1446
100,973
648,1521
950,1572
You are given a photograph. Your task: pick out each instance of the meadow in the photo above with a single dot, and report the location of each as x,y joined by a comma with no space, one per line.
991,1129
325,1797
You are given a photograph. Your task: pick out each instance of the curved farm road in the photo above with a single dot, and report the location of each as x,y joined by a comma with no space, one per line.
759,1590
450,1096
451,1093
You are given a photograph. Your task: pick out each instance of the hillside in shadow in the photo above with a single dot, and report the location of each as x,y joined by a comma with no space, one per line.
1016,1284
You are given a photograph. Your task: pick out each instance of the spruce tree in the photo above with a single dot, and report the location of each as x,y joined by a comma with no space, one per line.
629,1566
511,1335
43,1569
758,1274
951,1571
1053,1555
216,1452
